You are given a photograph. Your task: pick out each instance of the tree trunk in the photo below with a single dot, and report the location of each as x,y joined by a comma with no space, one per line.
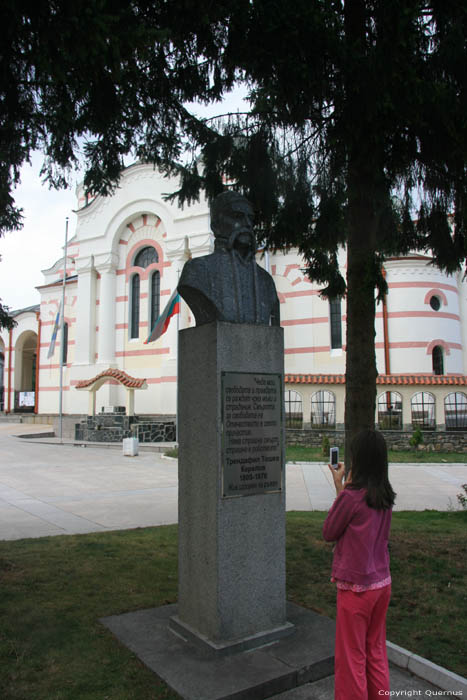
360,376
362,178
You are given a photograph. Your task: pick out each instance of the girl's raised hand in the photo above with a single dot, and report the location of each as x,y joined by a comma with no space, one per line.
338,476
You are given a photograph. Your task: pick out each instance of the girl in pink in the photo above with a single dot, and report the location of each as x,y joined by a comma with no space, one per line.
359,522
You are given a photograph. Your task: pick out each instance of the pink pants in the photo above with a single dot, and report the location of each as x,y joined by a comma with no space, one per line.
361,662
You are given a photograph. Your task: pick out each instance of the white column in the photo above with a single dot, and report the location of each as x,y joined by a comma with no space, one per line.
86,312
177,252
106,337
439,407
339,392
406,394
130,402
92,403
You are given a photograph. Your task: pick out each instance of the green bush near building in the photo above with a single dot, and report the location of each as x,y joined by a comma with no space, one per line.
298,453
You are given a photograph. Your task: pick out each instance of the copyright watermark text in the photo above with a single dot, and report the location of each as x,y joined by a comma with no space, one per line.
420,693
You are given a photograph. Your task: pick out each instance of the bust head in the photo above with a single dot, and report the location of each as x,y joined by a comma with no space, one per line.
232,222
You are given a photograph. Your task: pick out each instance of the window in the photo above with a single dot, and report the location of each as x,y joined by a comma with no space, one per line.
323,410
146,256
293,410
336,323
455,411
65,344
154,298
435,303
438,361
423,411
134,307
390,411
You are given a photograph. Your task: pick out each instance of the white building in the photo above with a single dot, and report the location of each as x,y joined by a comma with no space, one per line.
124,261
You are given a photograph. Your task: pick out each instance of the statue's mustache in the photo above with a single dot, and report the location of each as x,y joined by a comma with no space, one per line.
241,232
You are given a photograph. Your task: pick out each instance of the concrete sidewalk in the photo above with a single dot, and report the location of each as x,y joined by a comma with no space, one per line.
52,489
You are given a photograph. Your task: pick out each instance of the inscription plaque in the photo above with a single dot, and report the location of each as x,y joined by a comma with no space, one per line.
252,435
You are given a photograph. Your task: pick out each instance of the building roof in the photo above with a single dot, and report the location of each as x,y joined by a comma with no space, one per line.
399,379
27,309
315,378
118,374
59,283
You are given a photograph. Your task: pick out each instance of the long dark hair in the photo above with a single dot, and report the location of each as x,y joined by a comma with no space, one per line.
369,456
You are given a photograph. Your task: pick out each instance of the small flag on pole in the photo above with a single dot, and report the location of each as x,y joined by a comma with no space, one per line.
58,319
162,323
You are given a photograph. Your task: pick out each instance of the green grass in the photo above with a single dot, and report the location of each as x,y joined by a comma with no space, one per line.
297,453
54,590
173,452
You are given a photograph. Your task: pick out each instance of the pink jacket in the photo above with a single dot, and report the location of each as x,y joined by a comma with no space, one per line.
361,554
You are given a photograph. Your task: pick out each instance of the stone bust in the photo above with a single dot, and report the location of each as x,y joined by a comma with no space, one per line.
229,285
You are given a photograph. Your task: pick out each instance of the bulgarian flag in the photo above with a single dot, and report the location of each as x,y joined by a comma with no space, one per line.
162,323
57,324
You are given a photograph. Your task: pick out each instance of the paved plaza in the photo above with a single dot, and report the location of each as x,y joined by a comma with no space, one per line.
53,489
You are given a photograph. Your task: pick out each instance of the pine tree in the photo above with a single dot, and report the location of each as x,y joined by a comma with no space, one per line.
355,127
356,136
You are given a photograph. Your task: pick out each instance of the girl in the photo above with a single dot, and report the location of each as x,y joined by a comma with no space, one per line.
359,522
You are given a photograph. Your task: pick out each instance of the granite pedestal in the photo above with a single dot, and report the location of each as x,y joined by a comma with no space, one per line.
305,656
231,530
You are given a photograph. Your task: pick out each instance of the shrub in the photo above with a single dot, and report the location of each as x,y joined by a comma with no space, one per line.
462,497
173,452
417,438
325,446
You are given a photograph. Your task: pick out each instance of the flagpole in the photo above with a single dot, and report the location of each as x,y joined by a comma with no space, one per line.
177,348
62,342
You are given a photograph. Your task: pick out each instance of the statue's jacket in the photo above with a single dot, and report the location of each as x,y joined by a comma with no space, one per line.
225,287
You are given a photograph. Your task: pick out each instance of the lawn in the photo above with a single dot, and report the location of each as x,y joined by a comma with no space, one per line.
428,549
54,589
297,453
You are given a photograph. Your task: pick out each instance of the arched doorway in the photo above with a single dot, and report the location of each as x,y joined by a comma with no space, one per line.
25,371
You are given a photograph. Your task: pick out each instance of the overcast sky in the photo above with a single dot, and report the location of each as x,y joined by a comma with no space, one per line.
40,243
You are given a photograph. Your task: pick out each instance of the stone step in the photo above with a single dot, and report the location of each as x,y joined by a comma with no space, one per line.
10,418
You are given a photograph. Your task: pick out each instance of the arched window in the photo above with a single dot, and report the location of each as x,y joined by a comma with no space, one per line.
423,411
455,411
390,411
438,360
154,298
335,320
323,410
293,409
65,344
145,257
134,307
